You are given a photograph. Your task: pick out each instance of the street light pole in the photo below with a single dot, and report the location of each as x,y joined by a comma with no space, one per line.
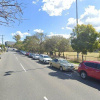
76,13
77,26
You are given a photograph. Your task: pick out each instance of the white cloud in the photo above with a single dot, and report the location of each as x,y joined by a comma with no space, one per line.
34,2
21,34
62,28
39,9
38,30
67,13
56,7
64,35
90,16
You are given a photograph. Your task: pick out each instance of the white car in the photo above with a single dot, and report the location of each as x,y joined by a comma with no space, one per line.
44,58
35,56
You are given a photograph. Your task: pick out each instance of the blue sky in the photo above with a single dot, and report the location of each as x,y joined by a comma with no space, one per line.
53,17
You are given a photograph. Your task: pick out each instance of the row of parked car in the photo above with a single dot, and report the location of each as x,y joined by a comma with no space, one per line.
85,69
59,63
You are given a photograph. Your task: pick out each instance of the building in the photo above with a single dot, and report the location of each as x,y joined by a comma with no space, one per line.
9,43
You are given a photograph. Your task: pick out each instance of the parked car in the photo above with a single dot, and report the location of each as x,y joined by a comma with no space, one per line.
30,55
89,68
35,56
27,53
23,52
62,64
44,58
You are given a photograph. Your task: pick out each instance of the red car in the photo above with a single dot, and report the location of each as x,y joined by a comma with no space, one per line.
89,68
27,54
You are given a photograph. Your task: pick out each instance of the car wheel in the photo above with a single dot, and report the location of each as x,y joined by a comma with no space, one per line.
83,75
51,65
61,68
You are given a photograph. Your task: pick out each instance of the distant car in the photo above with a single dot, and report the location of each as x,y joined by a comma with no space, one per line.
30,55
44,58
89,68
62,64
27,53
23,52
35,56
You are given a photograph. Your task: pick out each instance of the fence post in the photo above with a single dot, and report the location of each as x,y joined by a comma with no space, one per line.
66,56
74,57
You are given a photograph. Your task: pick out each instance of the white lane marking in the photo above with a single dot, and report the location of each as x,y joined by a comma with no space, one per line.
23,67
68,74
20,64
16,58
45,98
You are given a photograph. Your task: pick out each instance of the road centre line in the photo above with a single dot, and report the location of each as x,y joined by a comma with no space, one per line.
16,58
45,98
20,64
23,67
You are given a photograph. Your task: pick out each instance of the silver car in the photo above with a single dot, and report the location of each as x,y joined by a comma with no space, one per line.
62,64
35,56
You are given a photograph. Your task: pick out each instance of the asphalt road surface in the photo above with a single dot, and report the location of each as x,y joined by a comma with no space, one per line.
22,78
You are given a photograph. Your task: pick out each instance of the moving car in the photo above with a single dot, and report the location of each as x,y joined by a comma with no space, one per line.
35,56
89,68
44,58
62,64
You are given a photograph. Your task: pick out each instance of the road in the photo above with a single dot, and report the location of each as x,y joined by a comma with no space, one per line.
22,78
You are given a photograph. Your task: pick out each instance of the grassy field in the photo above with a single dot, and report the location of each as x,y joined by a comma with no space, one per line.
93,54
73,56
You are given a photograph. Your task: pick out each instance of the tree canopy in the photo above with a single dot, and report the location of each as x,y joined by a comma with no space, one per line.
84,38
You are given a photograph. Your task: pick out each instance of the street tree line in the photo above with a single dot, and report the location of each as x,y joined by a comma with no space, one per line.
84,38
40,43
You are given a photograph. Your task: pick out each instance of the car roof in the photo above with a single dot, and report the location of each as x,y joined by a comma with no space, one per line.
43,55
60,58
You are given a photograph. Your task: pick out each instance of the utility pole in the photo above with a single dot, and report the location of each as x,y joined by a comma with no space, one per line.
2,41
77,25
76,13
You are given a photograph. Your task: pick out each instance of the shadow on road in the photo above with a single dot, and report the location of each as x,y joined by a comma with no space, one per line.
8,73
75,76
41,63
11,72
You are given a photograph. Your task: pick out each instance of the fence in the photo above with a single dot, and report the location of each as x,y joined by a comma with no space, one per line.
74,58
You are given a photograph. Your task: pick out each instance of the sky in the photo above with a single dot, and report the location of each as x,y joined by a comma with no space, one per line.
52,17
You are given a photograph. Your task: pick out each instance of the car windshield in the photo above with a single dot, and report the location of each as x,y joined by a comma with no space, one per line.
46,57
63,61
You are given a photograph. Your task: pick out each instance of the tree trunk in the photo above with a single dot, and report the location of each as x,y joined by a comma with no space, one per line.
63,54
77,56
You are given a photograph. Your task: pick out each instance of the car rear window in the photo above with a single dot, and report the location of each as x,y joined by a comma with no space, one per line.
98,66
92,65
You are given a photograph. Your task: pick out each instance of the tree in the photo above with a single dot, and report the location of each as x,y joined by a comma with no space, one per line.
17,37
10,10
31,44
85,40
41,38
57,44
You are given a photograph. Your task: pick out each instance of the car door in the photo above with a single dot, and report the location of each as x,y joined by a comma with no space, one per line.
55,62
89,68
97,72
